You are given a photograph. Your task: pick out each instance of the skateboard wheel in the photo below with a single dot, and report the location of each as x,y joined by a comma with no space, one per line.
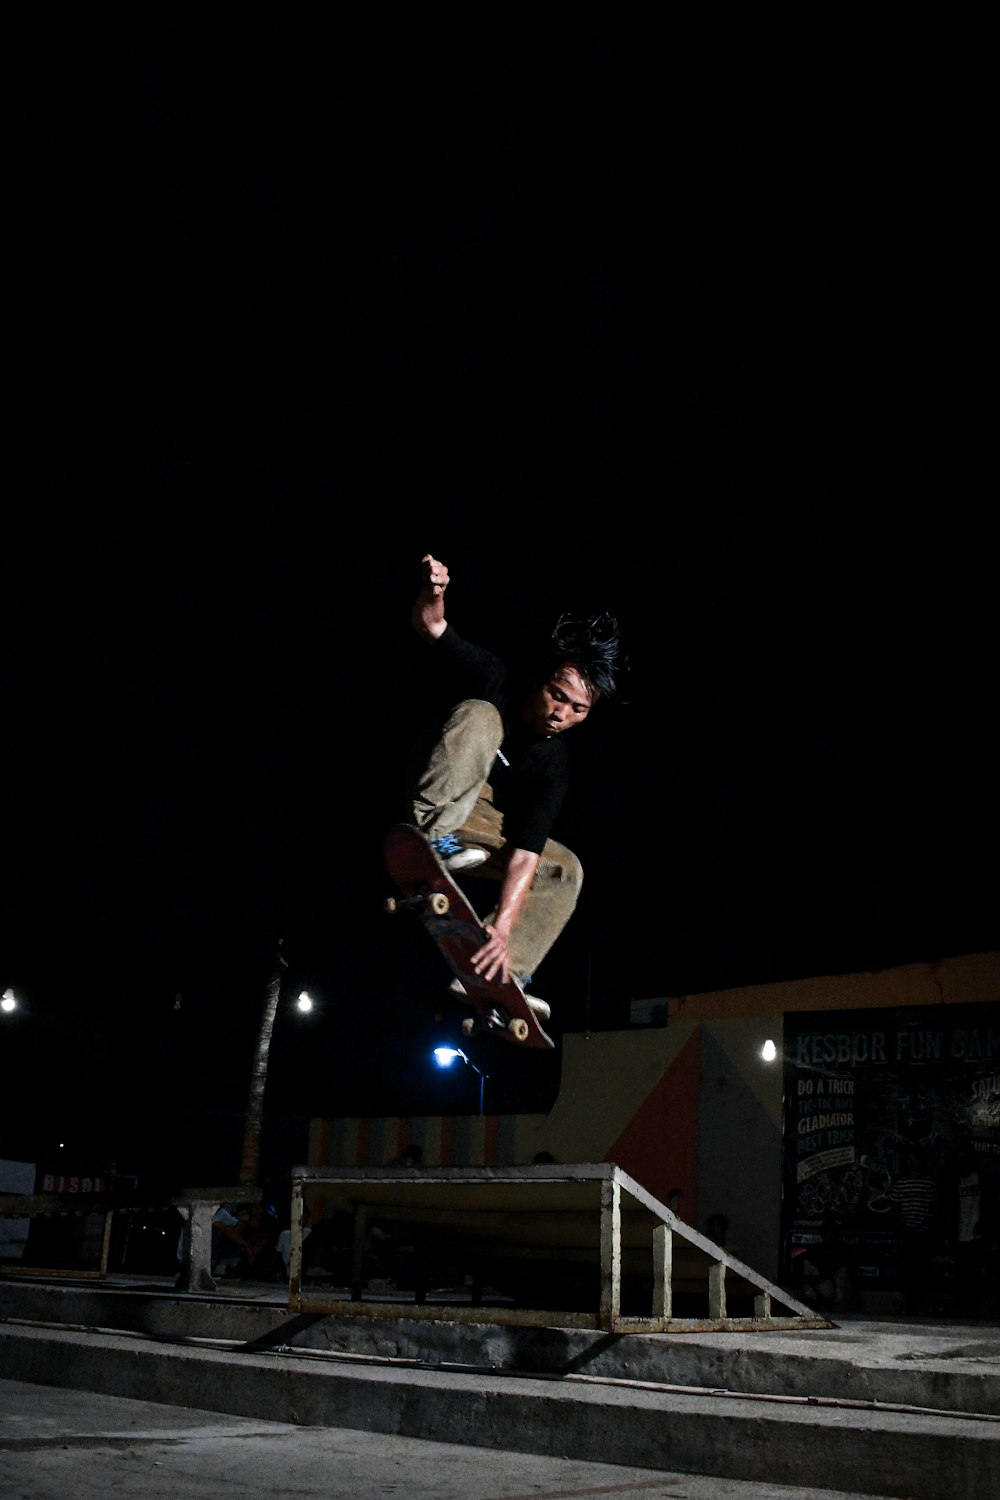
518,1028
468,1027
390,904
439,903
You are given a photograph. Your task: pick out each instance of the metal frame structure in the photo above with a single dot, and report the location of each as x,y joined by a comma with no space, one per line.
585,1214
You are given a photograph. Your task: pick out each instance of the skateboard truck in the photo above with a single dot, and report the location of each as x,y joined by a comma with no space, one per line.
436,900
494,1021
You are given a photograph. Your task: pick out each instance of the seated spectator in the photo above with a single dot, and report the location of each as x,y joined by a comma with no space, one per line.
226,1240
256,1239
284,1242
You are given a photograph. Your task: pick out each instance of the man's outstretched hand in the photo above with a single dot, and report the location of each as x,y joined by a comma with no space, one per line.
428,609
435,575
492,961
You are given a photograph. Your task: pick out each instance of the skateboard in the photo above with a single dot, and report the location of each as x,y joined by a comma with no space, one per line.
444,909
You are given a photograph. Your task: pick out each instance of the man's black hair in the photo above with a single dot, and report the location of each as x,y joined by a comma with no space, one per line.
592,645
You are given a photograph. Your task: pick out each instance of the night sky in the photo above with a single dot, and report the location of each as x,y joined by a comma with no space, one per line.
292,309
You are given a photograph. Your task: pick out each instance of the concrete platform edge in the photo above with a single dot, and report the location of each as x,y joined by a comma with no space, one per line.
933,1456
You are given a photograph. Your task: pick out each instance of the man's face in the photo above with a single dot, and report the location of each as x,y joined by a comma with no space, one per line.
559,703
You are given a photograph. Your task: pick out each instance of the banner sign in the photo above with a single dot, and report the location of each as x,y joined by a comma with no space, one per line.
55,1182
861,1089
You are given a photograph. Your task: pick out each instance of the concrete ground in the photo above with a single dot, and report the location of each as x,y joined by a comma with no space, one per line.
60,1444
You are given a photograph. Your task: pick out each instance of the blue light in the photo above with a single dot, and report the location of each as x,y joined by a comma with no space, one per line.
445,1056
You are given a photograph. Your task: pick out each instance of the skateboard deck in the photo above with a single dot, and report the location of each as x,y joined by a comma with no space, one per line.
443,908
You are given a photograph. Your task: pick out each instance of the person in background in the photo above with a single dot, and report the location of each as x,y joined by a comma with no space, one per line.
828,1272
411,1155
969,1232
284,1243
257,1242
717,1229
915,1203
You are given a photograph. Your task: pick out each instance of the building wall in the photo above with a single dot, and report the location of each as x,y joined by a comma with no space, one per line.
689,1108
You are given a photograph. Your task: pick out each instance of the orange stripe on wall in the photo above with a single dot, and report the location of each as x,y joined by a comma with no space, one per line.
659,1145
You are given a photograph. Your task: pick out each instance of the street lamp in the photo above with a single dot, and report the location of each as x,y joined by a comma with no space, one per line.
8,1001
445,1056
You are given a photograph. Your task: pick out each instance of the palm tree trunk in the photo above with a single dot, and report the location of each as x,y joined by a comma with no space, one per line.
250,1162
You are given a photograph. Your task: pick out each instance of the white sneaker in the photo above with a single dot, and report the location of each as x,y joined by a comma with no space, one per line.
466,859
541,1008
456,856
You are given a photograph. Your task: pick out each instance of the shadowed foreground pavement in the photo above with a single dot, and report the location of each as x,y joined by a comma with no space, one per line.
56,1444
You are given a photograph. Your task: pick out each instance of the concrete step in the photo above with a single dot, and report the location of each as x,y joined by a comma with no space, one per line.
830,1444
56,1443
942,1366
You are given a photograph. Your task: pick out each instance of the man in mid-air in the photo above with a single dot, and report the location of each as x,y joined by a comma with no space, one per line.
488,784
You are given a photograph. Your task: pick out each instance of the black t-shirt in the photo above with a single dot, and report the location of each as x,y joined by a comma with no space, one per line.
530,776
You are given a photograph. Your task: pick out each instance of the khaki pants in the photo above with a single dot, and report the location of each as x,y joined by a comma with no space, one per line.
449,793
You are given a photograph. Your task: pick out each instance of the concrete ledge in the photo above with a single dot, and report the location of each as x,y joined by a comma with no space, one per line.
948,1368
777,1441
